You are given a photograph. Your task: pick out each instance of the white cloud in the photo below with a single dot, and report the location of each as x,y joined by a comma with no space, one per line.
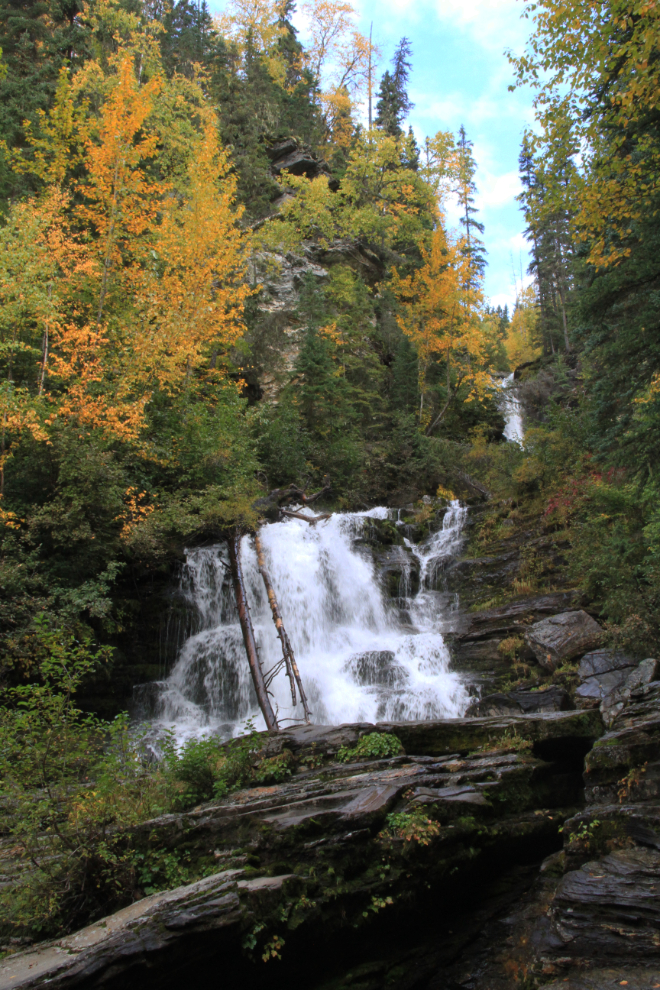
503,299
492,23
496,190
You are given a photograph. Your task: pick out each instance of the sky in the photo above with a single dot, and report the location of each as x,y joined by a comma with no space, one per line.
460,76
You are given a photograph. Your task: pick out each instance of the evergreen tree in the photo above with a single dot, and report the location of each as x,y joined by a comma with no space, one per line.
393,103
189,38
548,231
37,38
466,187
411,154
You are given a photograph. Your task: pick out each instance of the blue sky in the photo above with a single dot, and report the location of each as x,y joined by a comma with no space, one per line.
460,76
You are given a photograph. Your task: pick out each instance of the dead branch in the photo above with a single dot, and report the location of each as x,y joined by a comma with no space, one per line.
234,545
287,650
271,505
312,520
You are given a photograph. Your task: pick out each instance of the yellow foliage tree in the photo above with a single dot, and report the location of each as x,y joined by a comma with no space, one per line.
520,342
341,60
440,313
146,281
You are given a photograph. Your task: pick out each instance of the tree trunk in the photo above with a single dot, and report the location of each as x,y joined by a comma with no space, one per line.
234,545
287,650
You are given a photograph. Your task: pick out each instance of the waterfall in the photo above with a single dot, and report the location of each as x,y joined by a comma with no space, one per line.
513,429
362,656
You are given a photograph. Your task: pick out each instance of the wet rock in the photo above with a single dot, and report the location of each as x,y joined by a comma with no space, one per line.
376,668
398,570
519,702
562,637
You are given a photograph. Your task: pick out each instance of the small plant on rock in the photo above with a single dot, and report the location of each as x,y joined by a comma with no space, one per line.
374,746
411,826
510,647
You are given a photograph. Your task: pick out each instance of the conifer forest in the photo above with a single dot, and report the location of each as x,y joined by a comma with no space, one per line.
290,511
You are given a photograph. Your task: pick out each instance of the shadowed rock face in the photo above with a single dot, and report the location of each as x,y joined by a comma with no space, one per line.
320,862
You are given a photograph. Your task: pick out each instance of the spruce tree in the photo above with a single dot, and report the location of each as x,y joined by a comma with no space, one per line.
467,167
393,103
37,38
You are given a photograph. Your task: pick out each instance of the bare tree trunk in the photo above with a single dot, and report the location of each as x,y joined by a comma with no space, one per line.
234,545
563,316
287,650
370,76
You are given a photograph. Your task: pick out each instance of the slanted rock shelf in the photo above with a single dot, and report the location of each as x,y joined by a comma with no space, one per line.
419,870
320,866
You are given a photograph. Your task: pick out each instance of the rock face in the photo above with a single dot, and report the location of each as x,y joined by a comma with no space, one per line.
601,673
562,637
521,702
319,866
606,908
290,156
475,637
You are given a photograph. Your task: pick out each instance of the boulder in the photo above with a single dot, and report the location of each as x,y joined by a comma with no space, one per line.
563,637
613,703
603,662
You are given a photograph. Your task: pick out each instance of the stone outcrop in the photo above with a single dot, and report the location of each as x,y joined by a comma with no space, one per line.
475,637
290,156
563,637
311,868
606,907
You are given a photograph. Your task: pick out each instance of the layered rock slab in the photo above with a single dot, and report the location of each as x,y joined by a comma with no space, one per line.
319,855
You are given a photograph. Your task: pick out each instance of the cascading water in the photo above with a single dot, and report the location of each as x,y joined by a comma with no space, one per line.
362,657
513,424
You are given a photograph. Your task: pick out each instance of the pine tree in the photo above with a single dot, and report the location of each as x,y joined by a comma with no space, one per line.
393,103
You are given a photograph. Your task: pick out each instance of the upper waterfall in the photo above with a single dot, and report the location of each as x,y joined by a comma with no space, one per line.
513,424
362,656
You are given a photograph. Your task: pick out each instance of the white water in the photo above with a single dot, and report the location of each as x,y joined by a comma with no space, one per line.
513,429
360,657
